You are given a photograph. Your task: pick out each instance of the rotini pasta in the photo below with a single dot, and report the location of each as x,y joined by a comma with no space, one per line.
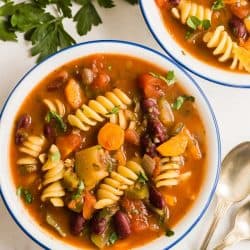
54,168
32,146
55,105
169,174
113,186
187,8
99,109
224,46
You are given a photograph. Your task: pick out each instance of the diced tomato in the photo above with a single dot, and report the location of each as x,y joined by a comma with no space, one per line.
68,144
152,87
137,214
101,82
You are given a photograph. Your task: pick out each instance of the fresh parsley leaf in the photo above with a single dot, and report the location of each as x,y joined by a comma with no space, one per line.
169,233
180,101
132,1
28,16
193,22
25,194
86,17
206,24
106,3
113,237
188,34
53,115
169,79
114,110
218,4
6,34
142,178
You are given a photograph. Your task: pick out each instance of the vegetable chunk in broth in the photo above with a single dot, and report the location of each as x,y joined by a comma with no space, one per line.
108,151
215,31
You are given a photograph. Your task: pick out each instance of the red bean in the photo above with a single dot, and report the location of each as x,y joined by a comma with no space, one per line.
174,3
77,223
122,225
24,122
57,83
156,198
49,132
238,27
20,137
98,225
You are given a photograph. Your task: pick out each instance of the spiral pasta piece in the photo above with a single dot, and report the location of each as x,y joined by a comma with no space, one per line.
224,46
54,170
31,147
112,187
187,8
55,105
99,109
169,174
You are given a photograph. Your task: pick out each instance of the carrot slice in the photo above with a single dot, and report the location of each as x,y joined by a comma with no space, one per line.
74,94
68,144
175,146
193,145
88,206
111,136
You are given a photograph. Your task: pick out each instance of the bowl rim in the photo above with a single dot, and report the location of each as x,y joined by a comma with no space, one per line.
158,40
215,124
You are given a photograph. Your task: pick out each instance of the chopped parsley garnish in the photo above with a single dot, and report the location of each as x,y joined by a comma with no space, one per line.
25,194
142,178
114,110
113,237
180,101
53,115
79,191
193,22
169,78
218,4
169,233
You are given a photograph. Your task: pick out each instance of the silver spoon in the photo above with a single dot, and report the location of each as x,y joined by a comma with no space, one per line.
241,230
233,186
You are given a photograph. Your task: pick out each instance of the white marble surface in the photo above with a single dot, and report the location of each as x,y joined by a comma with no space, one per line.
231,108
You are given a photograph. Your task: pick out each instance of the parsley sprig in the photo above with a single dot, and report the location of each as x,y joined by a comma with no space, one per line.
169,78
43,26
218,4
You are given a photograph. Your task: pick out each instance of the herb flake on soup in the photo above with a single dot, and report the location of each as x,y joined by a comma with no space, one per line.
108,151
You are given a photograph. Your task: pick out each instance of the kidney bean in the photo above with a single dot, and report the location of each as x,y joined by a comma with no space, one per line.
238,27
150,107
58,81
156,198
20,137
157,131
77,223
148,146
174,3
24,121
122,224
48,131
98,225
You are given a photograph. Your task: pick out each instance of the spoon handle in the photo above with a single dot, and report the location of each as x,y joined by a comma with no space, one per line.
221,208
230,239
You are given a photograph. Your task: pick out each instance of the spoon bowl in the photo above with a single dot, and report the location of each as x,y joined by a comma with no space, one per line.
233,186
241,230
